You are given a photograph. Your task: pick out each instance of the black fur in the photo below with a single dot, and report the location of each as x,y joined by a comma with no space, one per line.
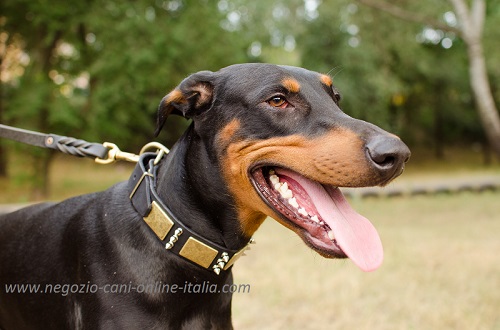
99,239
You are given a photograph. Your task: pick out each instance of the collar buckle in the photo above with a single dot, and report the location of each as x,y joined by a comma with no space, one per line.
176,237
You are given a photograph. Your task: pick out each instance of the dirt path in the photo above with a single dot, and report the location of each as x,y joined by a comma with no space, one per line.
427,185
432,184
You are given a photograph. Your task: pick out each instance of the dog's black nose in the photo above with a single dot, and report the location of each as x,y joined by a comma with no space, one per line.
388,154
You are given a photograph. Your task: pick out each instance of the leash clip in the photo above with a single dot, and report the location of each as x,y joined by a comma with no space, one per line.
115,154
161,149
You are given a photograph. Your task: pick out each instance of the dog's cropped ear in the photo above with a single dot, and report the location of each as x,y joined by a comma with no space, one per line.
192,97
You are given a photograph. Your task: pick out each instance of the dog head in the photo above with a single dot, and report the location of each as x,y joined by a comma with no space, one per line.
284,147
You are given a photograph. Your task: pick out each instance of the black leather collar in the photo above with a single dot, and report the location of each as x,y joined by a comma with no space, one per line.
176,237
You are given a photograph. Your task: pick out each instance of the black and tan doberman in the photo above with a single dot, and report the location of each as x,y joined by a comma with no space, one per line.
264,140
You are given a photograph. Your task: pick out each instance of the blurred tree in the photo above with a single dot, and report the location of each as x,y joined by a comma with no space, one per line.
39,28
97,69
364,60
3,153
270,27
409,78
149,50
470,27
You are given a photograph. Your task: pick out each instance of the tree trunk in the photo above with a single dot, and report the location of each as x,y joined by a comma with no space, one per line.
488,112
470,30
3,161
41,166
43,160
3,151
439,122
472,21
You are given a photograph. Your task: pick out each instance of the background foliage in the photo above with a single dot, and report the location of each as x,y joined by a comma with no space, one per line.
97,69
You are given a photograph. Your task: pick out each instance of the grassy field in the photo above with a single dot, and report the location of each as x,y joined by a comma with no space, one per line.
441,267
441,271
70,176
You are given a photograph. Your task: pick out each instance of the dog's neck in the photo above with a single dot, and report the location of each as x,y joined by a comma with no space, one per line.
190,184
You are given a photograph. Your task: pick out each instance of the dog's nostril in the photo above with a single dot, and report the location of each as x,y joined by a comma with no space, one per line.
384,160
387,153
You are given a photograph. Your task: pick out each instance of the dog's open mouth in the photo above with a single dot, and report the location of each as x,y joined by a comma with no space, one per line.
321,216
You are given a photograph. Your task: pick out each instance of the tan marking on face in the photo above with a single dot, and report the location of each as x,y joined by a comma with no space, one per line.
227,133
336,158
291,85
327,80
175,96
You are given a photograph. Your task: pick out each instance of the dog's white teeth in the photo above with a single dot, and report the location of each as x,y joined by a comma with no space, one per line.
331,236
303,212
284,187
274,179
285,192
293,202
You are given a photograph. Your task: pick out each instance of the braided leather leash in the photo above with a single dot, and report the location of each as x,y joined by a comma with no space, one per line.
105,153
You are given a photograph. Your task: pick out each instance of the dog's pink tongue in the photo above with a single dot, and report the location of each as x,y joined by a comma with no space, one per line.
354,233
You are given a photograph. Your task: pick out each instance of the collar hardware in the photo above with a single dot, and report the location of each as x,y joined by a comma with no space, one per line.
159,222
176,237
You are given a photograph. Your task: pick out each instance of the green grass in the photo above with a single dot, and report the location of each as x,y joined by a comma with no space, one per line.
441,267
456,161
69,176
441,271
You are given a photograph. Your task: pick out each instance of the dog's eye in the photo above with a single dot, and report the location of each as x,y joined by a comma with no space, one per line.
336,96
278,101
